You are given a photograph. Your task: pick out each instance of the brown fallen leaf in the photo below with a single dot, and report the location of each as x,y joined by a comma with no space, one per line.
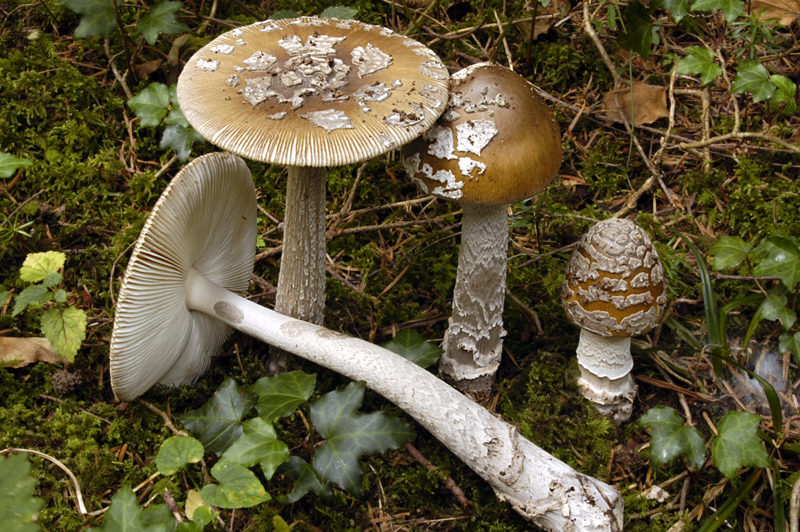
649,102
145,69
24,351
542,25
784,10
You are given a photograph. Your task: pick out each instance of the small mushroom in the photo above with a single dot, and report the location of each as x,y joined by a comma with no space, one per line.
181,296
310,93
496,143
614,288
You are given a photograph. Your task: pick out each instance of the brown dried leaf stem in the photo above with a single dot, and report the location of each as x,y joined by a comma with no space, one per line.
448,482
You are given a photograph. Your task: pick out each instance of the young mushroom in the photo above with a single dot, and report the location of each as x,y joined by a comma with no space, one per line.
496,143
176,307
614,288
310,93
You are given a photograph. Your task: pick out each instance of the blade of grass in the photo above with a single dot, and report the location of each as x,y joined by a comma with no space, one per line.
752,299
684,333
777,502
716,519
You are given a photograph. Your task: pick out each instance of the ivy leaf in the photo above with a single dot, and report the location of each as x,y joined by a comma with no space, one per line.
125,515
99,17
788,342
150,105
700,61
177,452
678,8
176,117
180,139
158,518
641,32
782,259
10,164
284,13
751,76
350,434
730,8
161,19
774,308
305,479
670,439
340,12
199,519
238,487
218,423
66,330
19,506
258,445
278,396
786,90
412,346
34,296
738,444
38,265
729,251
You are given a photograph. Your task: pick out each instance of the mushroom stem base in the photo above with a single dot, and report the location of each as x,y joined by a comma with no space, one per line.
605,364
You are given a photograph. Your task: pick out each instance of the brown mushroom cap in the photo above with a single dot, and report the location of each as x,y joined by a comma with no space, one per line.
312,92
496,143
614,283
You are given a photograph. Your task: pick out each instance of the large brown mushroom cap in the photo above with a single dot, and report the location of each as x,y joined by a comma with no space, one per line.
312,92
496,143
614,283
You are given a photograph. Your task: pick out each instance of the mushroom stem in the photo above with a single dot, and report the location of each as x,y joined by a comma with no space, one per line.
473,343
538,486
606,364
301,280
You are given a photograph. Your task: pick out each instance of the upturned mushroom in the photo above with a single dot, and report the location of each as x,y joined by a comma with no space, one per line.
310,93
176,307
496,143
614,288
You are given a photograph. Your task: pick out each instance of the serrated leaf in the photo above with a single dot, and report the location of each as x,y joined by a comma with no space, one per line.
738,444
125,515
34,296
66,330
161,19
181,140
641,32
790,342
751,76
52,279
669,439
677,8
238,487
218,423
176,453
305,479
730,8
151,104
37,265
781,260
774,308
258,445
729,252
412,346
19,506
280,395
283,14
99,17
10,164
350,434
785,92
700,61
60,295
340,12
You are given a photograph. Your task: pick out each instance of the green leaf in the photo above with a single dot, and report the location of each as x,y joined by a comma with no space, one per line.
641,32
278,396
34,296
788,342
60,295
700,61
66,330
3,295
678,8
19,506
180,139
158,518
218,423
176,117
340,12
125,515
669,439
279,524
774,308
177,452
200,518
305,479
350,434
283,14
238,487
786,90
10,164
412,346
730,8
738,444
782,259
99,17
751,76
151,104
729,252
38,265
52,279
258,445
161,19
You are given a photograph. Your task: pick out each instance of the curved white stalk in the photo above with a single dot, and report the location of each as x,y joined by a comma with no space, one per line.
538,486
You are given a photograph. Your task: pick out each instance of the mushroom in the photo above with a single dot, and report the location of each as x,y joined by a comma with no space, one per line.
310,93
614,288
496,143
175,308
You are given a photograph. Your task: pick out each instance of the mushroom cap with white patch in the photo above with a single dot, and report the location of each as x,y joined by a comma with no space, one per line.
614,284
312,92
201,222
496,143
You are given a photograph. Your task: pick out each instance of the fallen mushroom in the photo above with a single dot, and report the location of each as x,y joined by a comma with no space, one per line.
175,290
614,288
310,93
496,143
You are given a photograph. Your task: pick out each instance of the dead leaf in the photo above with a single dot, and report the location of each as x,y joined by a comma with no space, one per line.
649,103
784,10
145,69
542,25
24,351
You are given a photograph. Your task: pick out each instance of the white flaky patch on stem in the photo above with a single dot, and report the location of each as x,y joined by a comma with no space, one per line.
301,280
606,364
474,340
538,486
